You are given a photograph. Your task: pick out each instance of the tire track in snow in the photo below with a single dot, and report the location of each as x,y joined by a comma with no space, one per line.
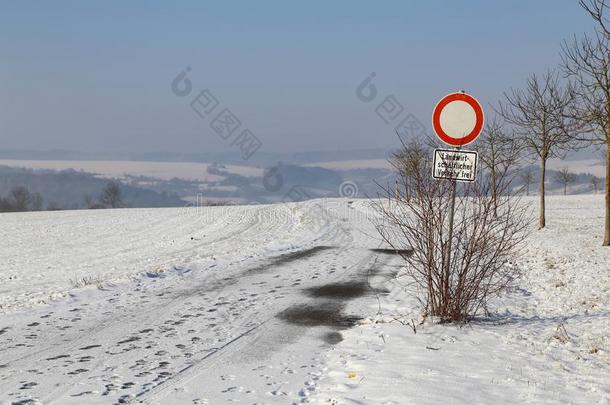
104,332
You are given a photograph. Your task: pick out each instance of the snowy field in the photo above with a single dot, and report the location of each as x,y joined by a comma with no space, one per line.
257,304
120,168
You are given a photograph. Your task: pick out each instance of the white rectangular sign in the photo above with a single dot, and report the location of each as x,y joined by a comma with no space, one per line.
460,165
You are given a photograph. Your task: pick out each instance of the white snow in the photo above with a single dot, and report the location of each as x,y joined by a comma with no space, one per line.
548,343
45,253
354,164
193,306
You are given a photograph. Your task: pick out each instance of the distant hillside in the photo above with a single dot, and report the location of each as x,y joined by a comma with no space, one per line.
68,188
219,184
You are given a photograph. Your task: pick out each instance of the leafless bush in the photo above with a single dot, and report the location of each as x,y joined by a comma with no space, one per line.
565,177
498,155
456,274
527,177
112,196
86,281
595,182
21,199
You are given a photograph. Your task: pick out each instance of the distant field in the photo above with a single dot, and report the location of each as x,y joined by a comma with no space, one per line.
118,169
353,164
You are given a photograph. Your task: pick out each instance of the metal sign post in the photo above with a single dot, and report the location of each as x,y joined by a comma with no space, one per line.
451,217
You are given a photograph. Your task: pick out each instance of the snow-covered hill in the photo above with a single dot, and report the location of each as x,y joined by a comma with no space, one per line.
285,303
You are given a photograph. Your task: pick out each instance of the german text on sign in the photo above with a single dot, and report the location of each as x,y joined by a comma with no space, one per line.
455,165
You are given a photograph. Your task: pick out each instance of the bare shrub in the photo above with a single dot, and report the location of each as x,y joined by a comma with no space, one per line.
111,196
22,198
86,281
565,178
498,154
595,181
561,334
456,274
527,177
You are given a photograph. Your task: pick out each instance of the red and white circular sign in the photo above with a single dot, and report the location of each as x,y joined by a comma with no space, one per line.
458,119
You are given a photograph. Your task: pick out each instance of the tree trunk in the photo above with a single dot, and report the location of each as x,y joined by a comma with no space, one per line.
542,223
607,224
494,191
565,189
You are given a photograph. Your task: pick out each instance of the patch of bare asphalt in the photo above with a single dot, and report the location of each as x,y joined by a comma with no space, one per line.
344,290
400,252
287,258
327,308
326,313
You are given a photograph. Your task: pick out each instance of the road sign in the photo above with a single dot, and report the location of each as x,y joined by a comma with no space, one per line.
457,119
460,165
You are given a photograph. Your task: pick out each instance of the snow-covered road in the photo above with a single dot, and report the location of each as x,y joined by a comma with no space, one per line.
198,305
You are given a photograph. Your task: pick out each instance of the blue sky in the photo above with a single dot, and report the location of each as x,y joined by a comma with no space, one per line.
96,76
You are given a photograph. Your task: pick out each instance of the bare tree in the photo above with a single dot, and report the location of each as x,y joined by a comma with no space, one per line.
36,202
598,10
111,196
595,181
89,202
587,62
540,115
22,198
564,177
53,206
6,205
498,153
452,286
407,161
527,178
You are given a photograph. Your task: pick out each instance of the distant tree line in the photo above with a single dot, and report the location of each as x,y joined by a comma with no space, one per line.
38,189
110,197
21,199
